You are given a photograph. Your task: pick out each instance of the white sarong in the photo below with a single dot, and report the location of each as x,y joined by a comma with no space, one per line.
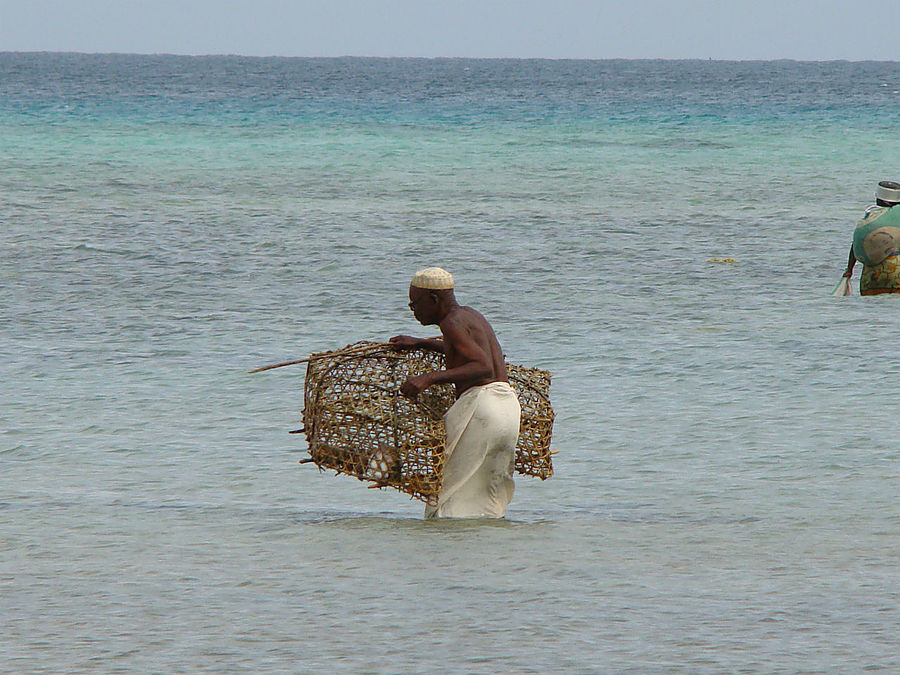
482,429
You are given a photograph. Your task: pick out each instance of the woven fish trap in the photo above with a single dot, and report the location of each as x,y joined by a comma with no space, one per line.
357,423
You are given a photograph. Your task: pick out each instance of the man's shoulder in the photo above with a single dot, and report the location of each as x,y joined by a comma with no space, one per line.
463,318
472,315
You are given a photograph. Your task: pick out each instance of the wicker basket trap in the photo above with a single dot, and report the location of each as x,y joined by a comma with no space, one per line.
357,423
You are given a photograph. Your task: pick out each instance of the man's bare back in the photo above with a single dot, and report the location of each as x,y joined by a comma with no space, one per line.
465,330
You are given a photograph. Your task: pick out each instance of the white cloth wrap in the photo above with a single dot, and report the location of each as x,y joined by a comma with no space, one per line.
482,429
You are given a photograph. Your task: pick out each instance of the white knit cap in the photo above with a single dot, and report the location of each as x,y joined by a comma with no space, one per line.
433,279
888,191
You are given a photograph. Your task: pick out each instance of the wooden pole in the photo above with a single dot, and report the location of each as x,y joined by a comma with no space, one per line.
368,346
277,365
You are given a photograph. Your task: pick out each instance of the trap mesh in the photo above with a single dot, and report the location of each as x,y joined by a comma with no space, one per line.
356,421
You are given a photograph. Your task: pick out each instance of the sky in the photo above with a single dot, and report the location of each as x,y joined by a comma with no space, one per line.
633,29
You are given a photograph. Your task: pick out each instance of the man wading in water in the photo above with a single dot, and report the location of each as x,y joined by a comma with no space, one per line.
482,427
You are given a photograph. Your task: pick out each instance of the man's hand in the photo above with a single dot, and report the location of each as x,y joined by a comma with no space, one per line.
415,385
404,341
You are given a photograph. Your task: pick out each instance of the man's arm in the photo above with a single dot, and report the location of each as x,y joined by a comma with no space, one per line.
409,342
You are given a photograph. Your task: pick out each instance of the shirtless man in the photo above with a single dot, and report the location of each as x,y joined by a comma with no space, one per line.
482,427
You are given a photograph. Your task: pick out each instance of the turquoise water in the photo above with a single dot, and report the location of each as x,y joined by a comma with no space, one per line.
725,495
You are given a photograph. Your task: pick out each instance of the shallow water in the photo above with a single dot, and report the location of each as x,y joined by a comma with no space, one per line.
725,488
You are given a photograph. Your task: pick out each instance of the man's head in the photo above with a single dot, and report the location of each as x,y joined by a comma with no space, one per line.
887,193
431,295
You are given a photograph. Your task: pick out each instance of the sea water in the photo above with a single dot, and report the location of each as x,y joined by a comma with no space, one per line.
725,497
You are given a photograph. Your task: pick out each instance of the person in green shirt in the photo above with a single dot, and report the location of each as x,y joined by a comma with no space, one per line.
876,243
